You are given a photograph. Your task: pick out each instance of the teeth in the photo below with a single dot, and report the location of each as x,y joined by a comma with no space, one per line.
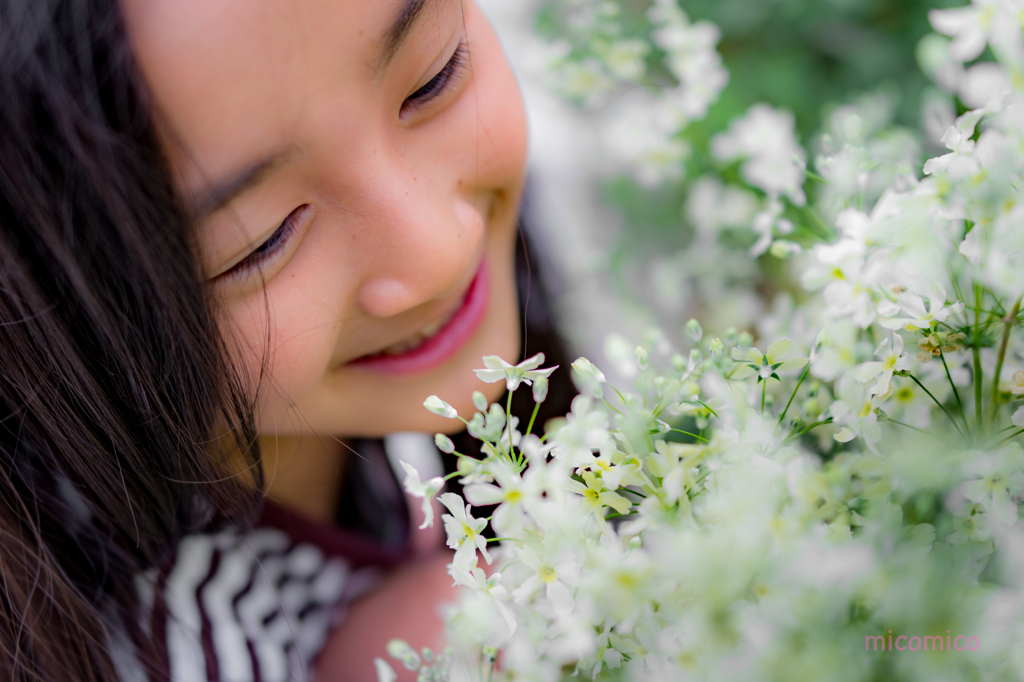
432,328
417,339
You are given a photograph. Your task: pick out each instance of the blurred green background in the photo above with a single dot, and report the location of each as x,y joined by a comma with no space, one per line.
803,54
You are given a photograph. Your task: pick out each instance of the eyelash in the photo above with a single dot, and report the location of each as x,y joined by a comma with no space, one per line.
434,88
437,85
265,251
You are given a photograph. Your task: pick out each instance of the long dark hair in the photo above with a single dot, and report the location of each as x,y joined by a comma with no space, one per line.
113,376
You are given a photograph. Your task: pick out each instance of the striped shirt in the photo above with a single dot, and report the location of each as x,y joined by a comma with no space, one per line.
257,605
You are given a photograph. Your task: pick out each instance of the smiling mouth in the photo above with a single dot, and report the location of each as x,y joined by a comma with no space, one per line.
419,338
436,343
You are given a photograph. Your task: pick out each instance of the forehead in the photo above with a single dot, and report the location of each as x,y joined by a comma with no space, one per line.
233,75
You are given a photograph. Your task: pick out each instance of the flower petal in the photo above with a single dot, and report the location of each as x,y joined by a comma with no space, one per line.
779,350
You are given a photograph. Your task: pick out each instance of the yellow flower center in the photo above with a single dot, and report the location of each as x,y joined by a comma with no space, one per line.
513,497
547,574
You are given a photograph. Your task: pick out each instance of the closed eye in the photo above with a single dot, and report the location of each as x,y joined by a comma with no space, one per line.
274,244
440,83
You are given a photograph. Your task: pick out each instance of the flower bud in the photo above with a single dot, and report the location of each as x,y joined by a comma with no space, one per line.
678,363
587,371
694,330
401,651
540,389
444,443
641,357
716,348
745,340
731,336
479,401
783,249
440,407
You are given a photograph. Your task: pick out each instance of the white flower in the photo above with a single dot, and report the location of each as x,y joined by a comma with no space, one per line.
425,490
893,360
464,531
465,572
525,372
385,673
507,518
712,206
854,412
917,315
767,364
973,26
581,432
960,162
765,138
549,573
1001,477
596,496
835,350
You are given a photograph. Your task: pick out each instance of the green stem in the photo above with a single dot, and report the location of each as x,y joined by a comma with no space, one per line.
976,351
956,393
533,417
793,395
764,390
794,436
1011,436
936,401
610,406
630,490
692,435
1007,327
826,234
508,425
899,423
814,176
708,408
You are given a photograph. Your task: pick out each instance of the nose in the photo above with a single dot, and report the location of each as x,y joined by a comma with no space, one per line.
425,246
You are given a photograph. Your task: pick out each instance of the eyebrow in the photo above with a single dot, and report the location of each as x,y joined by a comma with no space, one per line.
399,31
216,196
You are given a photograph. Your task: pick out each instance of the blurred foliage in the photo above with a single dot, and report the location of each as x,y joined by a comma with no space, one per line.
803,54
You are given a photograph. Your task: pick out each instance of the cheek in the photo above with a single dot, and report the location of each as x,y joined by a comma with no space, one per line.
285,346
490,122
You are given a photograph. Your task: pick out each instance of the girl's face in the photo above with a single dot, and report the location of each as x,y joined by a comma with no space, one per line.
355,168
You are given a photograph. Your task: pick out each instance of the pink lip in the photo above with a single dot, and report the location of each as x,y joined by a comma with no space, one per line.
438,349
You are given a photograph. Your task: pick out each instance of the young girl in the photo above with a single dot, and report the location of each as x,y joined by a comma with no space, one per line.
235,236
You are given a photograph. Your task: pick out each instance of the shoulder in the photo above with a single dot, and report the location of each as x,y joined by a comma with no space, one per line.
256,605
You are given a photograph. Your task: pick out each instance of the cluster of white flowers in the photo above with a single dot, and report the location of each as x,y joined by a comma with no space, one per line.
749,514
594,61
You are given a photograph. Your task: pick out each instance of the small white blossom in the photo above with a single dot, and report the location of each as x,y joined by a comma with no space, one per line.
893,359
463,530
773,161
424,490
525,372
